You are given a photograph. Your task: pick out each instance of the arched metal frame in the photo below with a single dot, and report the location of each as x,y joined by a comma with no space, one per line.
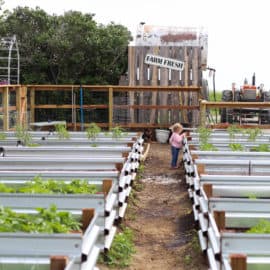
10,64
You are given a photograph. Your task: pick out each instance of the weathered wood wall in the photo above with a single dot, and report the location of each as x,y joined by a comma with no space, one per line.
143,74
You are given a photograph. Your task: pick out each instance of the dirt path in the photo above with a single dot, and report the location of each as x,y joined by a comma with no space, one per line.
162,219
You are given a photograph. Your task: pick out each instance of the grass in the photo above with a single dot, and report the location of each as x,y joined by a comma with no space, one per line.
119,255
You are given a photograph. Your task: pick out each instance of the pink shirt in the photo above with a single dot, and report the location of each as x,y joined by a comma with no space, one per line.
176,140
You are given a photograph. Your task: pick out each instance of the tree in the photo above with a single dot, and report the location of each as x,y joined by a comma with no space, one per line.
71,48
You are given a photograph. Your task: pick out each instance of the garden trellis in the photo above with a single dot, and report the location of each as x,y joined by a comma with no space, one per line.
9,61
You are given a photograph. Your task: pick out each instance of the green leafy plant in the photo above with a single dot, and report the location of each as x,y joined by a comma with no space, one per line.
253,133
204,134
263,226
3,136
40,186
236,147
23,135
117,132
45,221
261,148
233,130
207,147
122,248
62,131
92,131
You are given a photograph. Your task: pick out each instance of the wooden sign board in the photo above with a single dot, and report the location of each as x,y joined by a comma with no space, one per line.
165,62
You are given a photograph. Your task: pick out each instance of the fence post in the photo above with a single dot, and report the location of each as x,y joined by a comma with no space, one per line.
202,112
5,109
110,107
21,105
32,104
238,261
58,262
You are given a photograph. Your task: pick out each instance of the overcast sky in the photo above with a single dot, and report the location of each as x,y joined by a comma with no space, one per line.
238,30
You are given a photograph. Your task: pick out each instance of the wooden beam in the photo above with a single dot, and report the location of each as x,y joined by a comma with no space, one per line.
106,185
32,104
238,261
87,216
110,107
208,189
219,217
58,262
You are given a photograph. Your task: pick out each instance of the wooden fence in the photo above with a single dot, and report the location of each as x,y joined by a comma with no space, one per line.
19,106
140,73
116,106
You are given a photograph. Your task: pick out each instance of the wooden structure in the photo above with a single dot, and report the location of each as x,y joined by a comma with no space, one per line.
26,104
188,45
19,105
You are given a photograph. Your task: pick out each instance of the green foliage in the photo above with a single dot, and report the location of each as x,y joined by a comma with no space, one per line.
262,227
45,221
117,132
23,135
204,134
62,132
233,130
67,49
261,148
92,131
236,147
41,186
207,147
253,133
122,248
218,96
3,136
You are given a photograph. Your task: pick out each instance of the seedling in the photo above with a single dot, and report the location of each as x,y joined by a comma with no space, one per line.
261,148
92,131
3,136
117,132
262,227
253,133
23,135
236,147
62,132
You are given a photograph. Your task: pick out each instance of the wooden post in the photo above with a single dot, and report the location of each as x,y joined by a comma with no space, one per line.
21,105
238,261
87,216
32,105
106,185
5,109
58,262
202,113
200,168
195,82
154,80
119,166
185,94
131,75
208,189
164,76
110,107
219,217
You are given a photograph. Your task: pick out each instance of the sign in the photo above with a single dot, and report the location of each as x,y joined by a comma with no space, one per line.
160,61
